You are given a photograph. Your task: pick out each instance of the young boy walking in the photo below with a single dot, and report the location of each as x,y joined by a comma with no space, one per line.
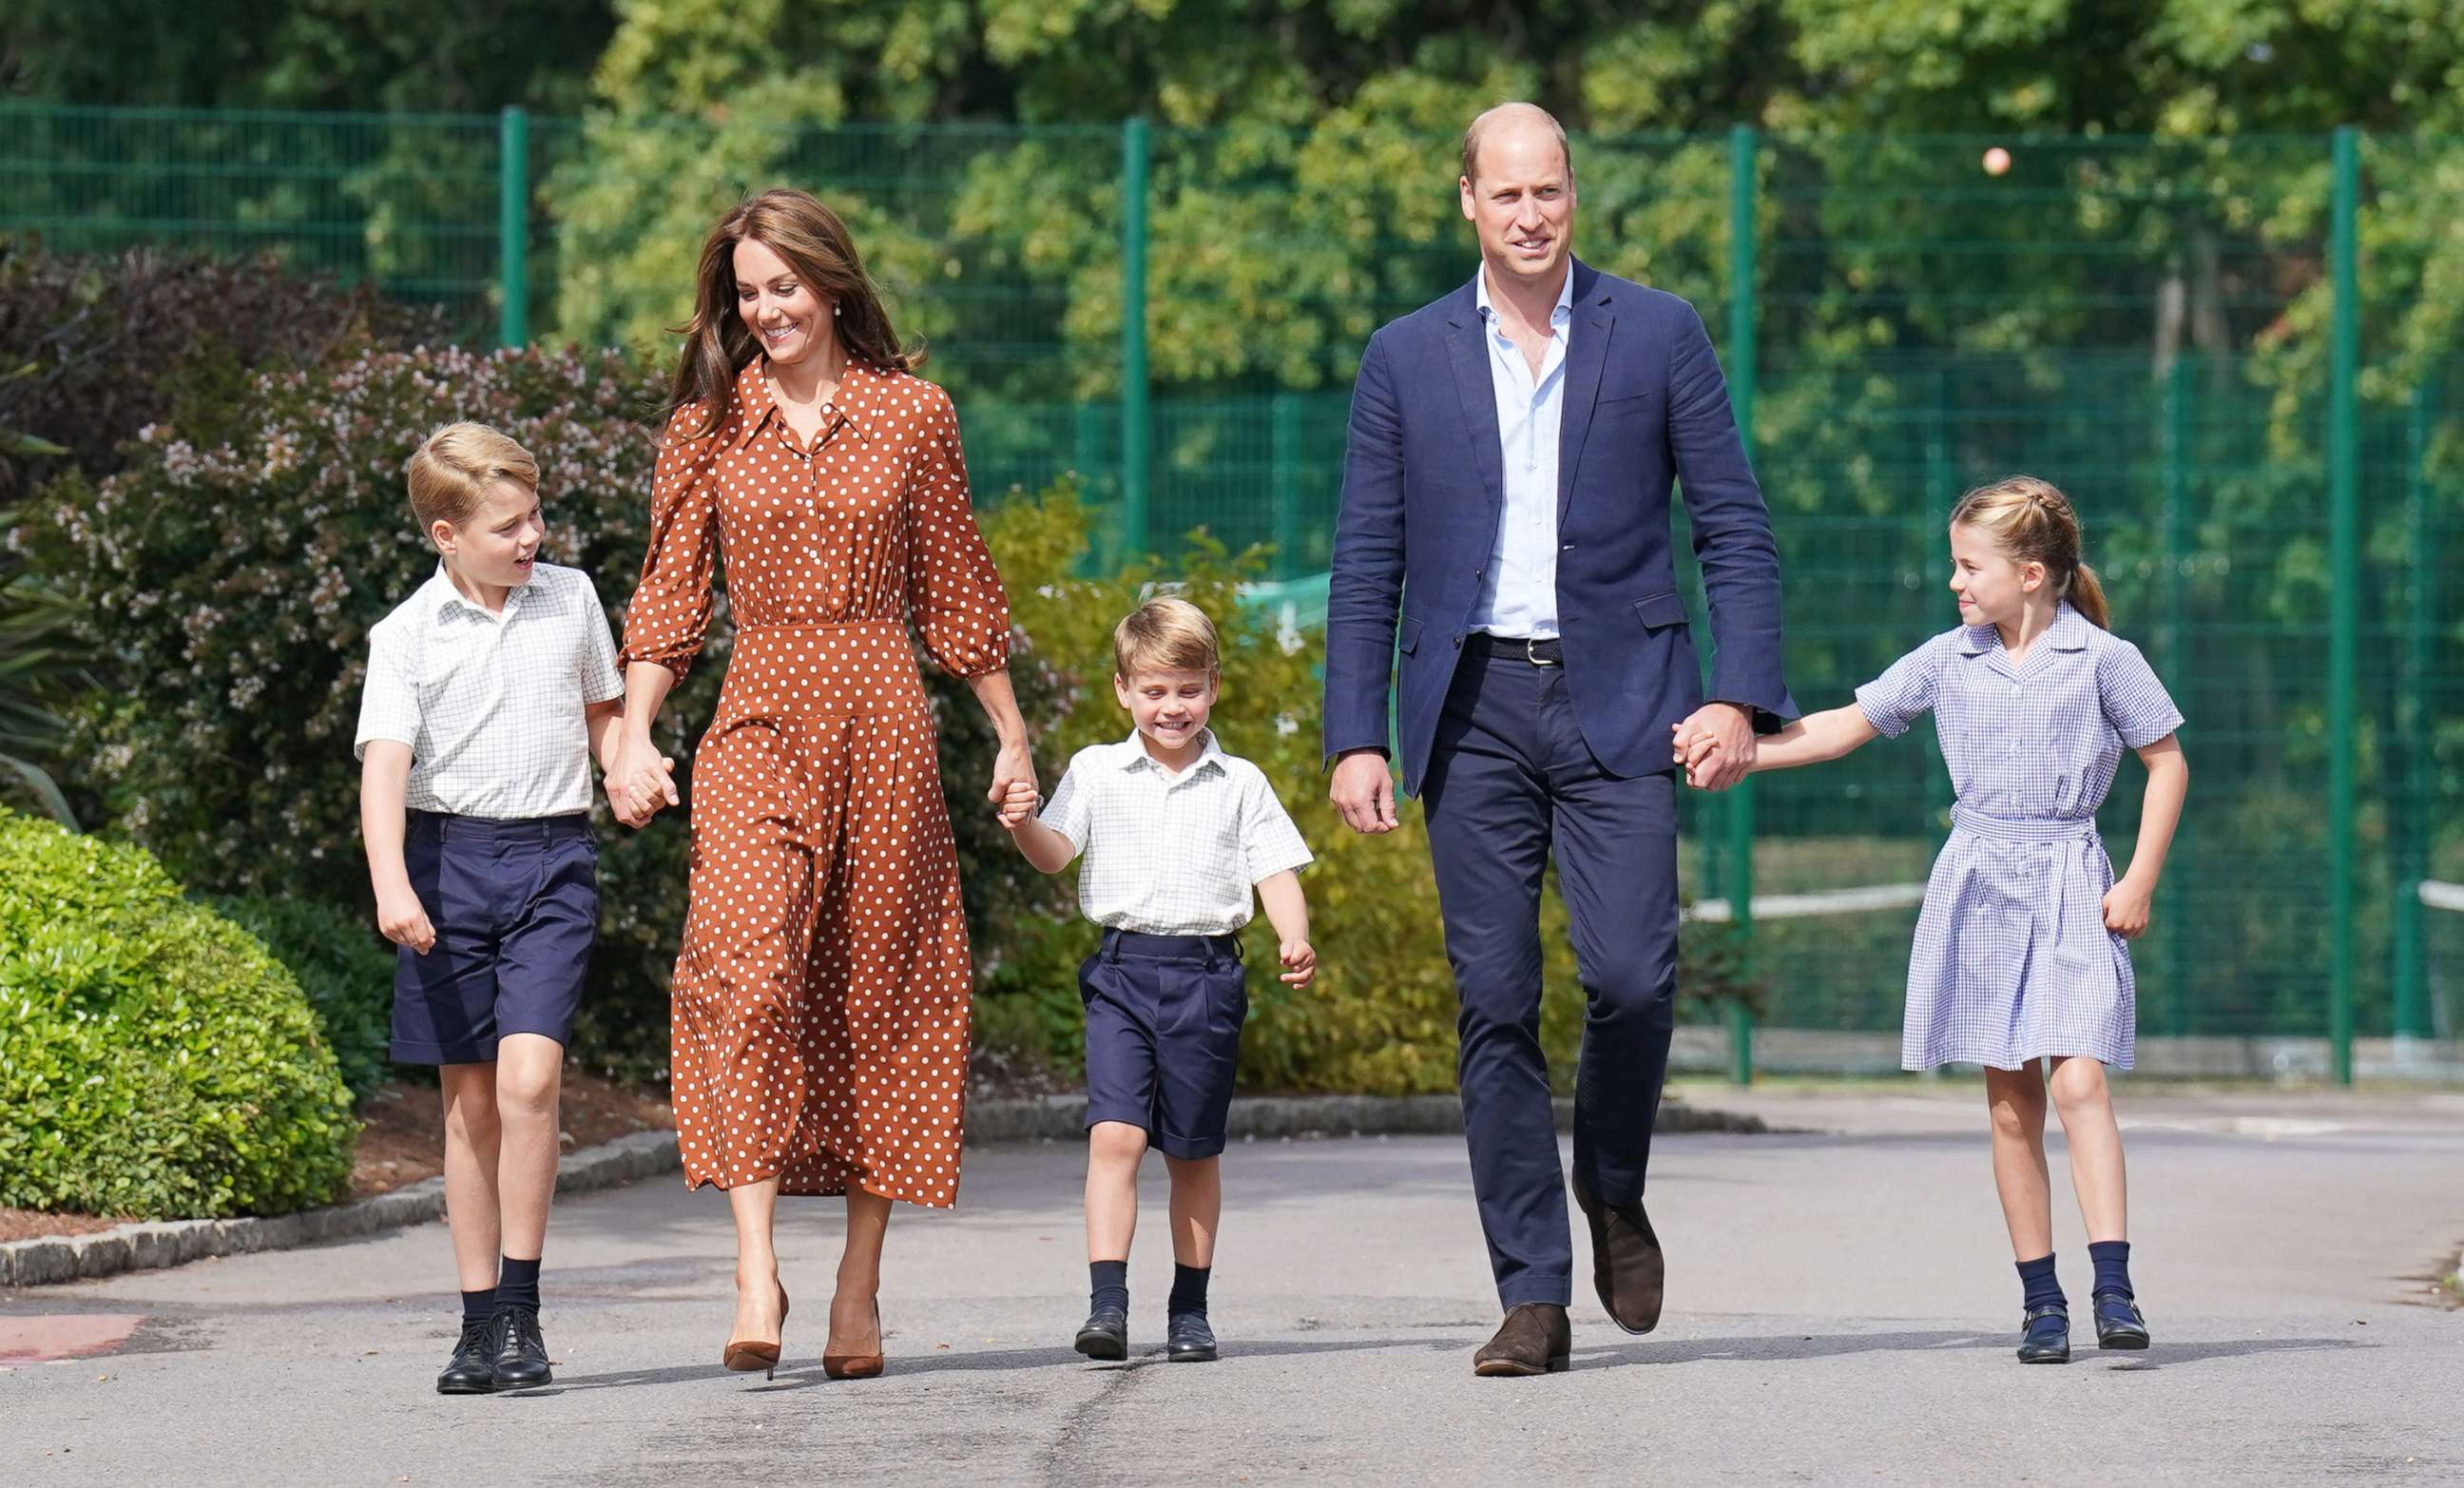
1174,833
488,692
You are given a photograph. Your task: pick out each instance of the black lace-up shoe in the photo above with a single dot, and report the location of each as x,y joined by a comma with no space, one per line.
473,1370
520,1358
1188,1340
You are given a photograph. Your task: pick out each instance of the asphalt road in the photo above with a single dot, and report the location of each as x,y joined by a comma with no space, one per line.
1841,1308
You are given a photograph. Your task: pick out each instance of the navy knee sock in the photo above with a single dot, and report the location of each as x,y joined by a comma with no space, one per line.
1109,1284
478,1306
2043,1288
1188,1290
518,1283
2112,1259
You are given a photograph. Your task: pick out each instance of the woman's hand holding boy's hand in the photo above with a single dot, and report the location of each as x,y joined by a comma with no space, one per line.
1018,803
403,920
640,783
1300,963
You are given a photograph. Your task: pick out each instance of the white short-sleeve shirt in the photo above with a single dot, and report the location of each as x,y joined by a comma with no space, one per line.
1171,854
492,705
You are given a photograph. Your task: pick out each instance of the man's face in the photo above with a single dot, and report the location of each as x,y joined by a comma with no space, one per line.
1523,203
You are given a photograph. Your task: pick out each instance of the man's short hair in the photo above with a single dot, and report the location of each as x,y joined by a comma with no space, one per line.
1471,138
455,469
1165,634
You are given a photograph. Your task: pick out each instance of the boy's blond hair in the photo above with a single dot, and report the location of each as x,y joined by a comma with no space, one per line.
1165,634
457,468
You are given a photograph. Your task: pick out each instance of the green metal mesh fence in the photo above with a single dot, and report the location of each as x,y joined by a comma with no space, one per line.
1176,317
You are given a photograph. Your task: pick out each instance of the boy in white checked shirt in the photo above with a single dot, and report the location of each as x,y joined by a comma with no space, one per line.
1175,833
488,692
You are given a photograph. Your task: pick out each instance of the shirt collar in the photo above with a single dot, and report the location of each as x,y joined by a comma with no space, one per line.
1131,753
1563,312
441,595
853,402
2069,631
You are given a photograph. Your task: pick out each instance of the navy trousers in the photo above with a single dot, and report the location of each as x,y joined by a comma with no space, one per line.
1510,782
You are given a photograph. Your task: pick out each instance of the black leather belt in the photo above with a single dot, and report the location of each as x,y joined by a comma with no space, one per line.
1548,652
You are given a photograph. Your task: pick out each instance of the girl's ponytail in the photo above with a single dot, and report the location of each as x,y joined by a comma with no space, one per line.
2033,522
2087,596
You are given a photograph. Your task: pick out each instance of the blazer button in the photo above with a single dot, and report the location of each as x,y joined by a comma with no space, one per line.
1458,643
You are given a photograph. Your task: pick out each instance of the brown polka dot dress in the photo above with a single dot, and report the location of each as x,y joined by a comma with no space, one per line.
822,991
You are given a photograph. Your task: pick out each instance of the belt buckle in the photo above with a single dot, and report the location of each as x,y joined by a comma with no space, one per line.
1531,651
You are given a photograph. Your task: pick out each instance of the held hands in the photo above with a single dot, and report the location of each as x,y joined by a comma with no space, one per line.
2125,908
1018,805
1300,963
404,921
1012,767
640,782
1714,746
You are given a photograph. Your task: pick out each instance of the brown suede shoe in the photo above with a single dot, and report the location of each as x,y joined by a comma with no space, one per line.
1535,1338
1628,1270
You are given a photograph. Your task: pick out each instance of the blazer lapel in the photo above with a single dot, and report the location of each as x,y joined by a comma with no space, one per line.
1588,353
1468,350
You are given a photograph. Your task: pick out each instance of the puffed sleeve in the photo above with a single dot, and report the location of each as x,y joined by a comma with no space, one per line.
954,594
1902,693
670,609
2140,710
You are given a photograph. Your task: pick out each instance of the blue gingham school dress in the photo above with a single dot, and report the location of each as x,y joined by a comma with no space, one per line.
2013,959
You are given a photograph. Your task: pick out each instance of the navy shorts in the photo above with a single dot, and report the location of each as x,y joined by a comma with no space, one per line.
1163,1036
515,908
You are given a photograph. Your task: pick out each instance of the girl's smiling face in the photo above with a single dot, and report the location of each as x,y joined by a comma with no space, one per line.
1992,589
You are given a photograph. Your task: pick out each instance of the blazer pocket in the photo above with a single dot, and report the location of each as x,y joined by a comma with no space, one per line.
1407,636
1658,610
1624,400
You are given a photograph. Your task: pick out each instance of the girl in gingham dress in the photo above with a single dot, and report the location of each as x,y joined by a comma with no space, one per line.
2020,950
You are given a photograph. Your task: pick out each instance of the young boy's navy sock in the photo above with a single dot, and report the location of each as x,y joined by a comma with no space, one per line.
2112,1259
478,1306
2043,1288
1107,1284
1188,1290
518,1283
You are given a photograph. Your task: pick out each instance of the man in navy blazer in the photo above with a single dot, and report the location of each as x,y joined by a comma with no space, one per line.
1503,556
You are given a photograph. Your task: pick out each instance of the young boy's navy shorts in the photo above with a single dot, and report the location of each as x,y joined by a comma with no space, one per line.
1163,1036
514,905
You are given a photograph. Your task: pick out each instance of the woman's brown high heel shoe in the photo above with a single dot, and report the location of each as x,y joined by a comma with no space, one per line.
746,1355
856,1367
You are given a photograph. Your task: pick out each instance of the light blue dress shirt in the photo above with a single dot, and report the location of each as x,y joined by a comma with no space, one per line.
1518,598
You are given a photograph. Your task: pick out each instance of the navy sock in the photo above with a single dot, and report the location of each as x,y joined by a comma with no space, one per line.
478,1306
518,1283
2037,1277
1188,1290
1109,1284
2112,1259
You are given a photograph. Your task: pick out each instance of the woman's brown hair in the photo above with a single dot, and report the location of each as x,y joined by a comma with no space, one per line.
816,245
2031,522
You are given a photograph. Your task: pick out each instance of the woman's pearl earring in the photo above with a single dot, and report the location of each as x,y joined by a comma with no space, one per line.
835,309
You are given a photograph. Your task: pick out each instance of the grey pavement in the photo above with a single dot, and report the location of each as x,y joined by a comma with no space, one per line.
1841,1304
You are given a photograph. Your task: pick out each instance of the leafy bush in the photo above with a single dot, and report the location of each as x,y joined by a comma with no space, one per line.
344,966
154,1059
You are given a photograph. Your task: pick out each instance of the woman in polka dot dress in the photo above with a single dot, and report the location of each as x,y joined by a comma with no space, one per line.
821,997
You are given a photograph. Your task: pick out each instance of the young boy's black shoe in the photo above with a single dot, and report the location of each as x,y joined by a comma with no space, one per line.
2045,1336
2118,1323
473,1370
522,1353
1105,1334
1188,1340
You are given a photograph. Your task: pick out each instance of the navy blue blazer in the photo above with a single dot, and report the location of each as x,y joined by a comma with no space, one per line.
1646,405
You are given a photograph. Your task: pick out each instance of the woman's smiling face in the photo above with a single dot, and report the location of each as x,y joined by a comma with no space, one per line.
786,318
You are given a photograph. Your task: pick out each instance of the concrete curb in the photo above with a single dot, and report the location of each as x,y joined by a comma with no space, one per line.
149,1246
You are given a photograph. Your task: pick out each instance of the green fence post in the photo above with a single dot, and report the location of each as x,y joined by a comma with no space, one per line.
1136,154
1742,150
514,227
2170,660
2415,730
1284,419
2345,614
